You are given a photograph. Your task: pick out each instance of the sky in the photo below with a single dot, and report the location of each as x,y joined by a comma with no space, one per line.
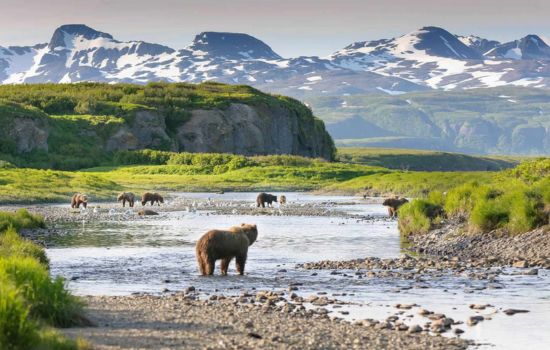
290,27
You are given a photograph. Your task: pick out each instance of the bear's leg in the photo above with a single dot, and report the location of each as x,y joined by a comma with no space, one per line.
241,261
202,265
123,202
85,204
210,266
390,212
225,265
131,204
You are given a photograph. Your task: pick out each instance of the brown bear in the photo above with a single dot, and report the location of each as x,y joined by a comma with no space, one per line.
225,245
393,204
282,200
79,198
151,197
265,198
126,197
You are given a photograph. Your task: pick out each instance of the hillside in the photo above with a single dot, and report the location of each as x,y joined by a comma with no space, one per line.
415,160
505,120
72,126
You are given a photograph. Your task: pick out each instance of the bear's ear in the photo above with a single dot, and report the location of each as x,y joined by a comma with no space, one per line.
243,224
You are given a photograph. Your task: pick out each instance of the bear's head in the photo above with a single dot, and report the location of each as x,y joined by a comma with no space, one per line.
389,202
120,197
84,198
251,232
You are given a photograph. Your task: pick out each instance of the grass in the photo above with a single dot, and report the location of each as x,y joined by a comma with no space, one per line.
514,202
417,160
31,303
170,171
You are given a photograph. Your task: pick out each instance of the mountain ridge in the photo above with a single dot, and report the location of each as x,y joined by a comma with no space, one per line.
427,58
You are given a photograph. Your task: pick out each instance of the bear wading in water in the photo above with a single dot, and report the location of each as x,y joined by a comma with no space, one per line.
393,205
79,198
225,245
265,198
126,197
151,197
282,200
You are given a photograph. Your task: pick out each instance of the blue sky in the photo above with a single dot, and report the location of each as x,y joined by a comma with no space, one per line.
290,27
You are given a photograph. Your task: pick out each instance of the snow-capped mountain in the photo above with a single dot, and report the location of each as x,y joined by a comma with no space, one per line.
428,58
531,47
434,57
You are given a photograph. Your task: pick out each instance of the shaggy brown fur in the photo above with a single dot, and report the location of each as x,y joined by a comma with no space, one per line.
282,199
79,198
151,197
126,197
265,198
393,205
225,245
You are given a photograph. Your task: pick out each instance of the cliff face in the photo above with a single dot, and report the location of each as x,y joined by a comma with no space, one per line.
239,128
249,130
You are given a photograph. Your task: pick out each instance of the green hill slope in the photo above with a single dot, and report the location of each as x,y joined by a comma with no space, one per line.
507,120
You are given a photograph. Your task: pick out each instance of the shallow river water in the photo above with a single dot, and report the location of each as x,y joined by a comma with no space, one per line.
156,255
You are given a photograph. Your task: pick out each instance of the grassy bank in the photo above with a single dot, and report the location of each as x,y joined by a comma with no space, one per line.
31,303
514,202
167,171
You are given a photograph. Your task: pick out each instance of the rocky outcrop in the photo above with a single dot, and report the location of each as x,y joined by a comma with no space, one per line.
258,129
146,129
248,130
29,135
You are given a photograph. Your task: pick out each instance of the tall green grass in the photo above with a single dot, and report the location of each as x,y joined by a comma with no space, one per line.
517,202
30,301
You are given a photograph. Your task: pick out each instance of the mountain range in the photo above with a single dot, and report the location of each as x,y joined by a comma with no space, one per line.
428,58
429,61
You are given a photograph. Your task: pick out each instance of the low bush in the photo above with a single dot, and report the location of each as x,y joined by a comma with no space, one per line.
417,216
12,245
20,219
48,299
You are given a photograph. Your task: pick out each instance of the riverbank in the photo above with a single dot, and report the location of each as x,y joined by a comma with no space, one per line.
180,321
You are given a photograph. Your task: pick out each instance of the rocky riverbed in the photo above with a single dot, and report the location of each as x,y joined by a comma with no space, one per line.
306,264
259,321
531,249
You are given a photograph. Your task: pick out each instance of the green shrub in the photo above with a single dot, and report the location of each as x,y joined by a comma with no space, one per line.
12,245
17,330
489,214
417,216
20,219
437,197
48,300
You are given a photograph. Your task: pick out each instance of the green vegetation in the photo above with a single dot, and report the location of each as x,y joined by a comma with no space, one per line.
416,160
170,171
516,201
30,302
72,126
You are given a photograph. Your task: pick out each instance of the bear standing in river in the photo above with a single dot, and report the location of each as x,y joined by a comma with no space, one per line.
265,198
151,197
126,197
282,200
225,245
78,199
393,204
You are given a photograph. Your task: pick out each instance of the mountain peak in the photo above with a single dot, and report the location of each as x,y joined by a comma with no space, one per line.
232,45
437,41
530,47
58,38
